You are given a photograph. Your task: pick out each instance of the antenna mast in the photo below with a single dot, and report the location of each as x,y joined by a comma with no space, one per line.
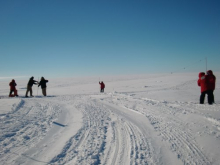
206,63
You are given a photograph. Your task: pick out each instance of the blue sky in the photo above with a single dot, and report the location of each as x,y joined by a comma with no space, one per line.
70,38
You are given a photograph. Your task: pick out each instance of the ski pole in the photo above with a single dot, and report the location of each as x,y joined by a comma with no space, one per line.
37,86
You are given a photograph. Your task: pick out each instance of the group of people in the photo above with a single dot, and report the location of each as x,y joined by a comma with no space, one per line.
42,83
207,84
30,84
205,81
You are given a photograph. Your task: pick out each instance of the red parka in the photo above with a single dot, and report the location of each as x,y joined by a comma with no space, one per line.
211,80
202,81
12,85
102,85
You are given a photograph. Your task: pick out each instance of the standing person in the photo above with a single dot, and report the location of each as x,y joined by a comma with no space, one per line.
31,82
43,86
202,82
211,84
13,85
102,86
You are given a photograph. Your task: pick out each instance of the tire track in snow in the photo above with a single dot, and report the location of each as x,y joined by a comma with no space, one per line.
87,146
181,139
120,143
164,119
141,146
129,144
105,138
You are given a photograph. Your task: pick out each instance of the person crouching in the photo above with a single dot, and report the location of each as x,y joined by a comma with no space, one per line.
13,85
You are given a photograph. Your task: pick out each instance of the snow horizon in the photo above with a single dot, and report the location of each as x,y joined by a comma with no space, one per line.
103,75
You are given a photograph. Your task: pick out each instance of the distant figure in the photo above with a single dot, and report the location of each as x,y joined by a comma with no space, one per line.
13,85
102,86
43,86
211,85
31,82
202,82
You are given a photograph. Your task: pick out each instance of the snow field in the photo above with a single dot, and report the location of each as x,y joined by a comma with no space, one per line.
143,119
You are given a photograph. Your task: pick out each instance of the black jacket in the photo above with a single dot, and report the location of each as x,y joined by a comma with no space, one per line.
31,82
43,83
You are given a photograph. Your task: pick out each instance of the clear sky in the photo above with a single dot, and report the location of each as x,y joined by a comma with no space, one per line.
68,38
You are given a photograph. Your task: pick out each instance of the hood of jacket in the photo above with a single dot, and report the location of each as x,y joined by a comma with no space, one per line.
209,72
201,74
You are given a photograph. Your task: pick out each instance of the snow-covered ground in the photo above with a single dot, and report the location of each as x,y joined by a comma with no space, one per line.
142,119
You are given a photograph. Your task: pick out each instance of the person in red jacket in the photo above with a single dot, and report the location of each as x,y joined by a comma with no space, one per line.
211,84
12,85
102,86
202,82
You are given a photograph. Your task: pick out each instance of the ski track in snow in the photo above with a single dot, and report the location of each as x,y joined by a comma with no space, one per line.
100,126
117,128
108,137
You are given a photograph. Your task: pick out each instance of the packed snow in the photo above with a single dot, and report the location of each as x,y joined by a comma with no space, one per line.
153,119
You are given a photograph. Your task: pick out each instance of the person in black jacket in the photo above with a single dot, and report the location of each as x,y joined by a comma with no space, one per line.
31,82
43,85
